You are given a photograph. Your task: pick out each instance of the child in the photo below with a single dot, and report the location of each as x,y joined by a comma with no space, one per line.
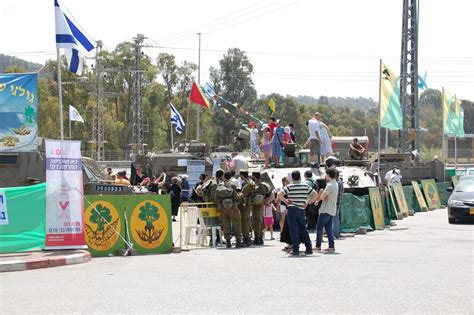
268,218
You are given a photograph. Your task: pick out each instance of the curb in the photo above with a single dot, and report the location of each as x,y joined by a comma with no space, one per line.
45,262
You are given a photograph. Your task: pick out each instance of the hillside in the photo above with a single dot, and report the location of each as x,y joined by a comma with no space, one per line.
7,61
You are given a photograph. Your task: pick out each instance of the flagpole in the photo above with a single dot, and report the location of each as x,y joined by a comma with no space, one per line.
455,154
172,141
199,82
60,94
386,140
380,109
70,124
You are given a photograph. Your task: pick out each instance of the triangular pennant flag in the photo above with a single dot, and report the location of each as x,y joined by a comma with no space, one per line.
197,96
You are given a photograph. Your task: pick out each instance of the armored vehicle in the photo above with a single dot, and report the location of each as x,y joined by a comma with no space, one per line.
29,168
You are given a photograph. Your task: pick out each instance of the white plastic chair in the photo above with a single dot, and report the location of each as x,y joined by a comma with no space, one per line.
206,229
192,215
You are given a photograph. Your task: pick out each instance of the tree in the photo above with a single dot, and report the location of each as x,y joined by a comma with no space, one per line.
100,216
431,97
232,81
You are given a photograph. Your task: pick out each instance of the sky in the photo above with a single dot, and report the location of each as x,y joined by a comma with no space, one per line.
297,47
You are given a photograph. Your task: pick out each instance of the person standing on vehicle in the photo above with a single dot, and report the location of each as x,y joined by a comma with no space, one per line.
254,146
298,196
245,207
227,200
314,140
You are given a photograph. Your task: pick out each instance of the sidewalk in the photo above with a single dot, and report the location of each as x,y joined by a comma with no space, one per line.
42,259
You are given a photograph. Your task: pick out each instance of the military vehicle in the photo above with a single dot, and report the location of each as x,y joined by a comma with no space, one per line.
29,168
356,179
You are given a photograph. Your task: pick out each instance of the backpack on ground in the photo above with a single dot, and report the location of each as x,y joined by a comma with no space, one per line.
225,195
261,192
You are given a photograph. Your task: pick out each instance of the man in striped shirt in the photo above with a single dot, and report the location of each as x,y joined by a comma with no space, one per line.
297,196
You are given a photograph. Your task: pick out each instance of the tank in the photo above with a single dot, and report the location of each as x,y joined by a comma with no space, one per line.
357,179
29,168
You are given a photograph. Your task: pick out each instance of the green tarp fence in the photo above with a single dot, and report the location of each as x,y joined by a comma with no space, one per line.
26,208
443,193
356,212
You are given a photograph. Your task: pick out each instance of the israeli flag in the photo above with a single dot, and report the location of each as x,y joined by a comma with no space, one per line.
72,38
176,119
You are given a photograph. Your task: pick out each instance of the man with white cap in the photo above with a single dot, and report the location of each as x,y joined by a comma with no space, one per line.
392,177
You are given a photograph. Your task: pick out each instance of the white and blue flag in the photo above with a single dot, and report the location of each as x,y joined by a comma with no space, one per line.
176,119
72,38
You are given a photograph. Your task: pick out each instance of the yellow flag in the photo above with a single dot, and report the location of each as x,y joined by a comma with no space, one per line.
271,105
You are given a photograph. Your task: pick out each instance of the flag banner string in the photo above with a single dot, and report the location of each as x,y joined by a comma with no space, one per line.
209,91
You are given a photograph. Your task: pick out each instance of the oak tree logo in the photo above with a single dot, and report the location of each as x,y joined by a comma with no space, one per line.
102,225
149,224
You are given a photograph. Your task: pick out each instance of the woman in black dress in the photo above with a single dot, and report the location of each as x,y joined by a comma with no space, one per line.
175,193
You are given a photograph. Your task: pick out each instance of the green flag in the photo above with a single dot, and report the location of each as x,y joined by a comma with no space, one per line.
390,109
453,115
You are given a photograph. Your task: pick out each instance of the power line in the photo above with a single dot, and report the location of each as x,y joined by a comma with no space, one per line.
237,23
196,28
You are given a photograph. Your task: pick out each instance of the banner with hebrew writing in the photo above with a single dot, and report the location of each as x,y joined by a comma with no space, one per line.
64,195
18,112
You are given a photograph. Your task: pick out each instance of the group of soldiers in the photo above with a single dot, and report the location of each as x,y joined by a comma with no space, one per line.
243,208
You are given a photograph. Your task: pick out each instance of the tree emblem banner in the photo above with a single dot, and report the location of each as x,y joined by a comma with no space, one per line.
18,112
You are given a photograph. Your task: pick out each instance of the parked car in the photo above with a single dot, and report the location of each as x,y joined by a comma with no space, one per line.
465,171
461,202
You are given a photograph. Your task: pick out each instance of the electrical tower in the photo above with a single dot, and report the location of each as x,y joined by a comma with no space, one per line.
410,133
137,115
98,114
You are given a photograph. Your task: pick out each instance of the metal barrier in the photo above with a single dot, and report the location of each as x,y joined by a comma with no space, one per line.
199,221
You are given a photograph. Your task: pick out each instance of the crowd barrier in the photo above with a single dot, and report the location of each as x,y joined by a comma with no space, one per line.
112,223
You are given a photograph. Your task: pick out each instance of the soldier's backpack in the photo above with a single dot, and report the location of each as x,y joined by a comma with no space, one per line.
261,192
224,195
204,190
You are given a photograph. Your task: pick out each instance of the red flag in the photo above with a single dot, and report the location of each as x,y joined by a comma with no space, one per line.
197,96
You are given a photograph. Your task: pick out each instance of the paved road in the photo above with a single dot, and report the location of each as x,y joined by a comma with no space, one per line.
423,265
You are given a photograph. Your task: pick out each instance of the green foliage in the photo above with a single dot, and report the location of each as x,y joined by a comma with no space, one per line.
100,216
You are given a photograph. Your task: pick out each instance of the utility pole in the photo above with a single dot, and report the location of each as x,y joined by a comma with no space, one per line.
199,82
137,115
98,115
410,133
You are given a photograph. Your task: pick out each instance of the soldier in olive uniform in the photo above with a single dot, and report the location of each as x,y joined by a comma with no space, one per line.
230,215
245,205
257,212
